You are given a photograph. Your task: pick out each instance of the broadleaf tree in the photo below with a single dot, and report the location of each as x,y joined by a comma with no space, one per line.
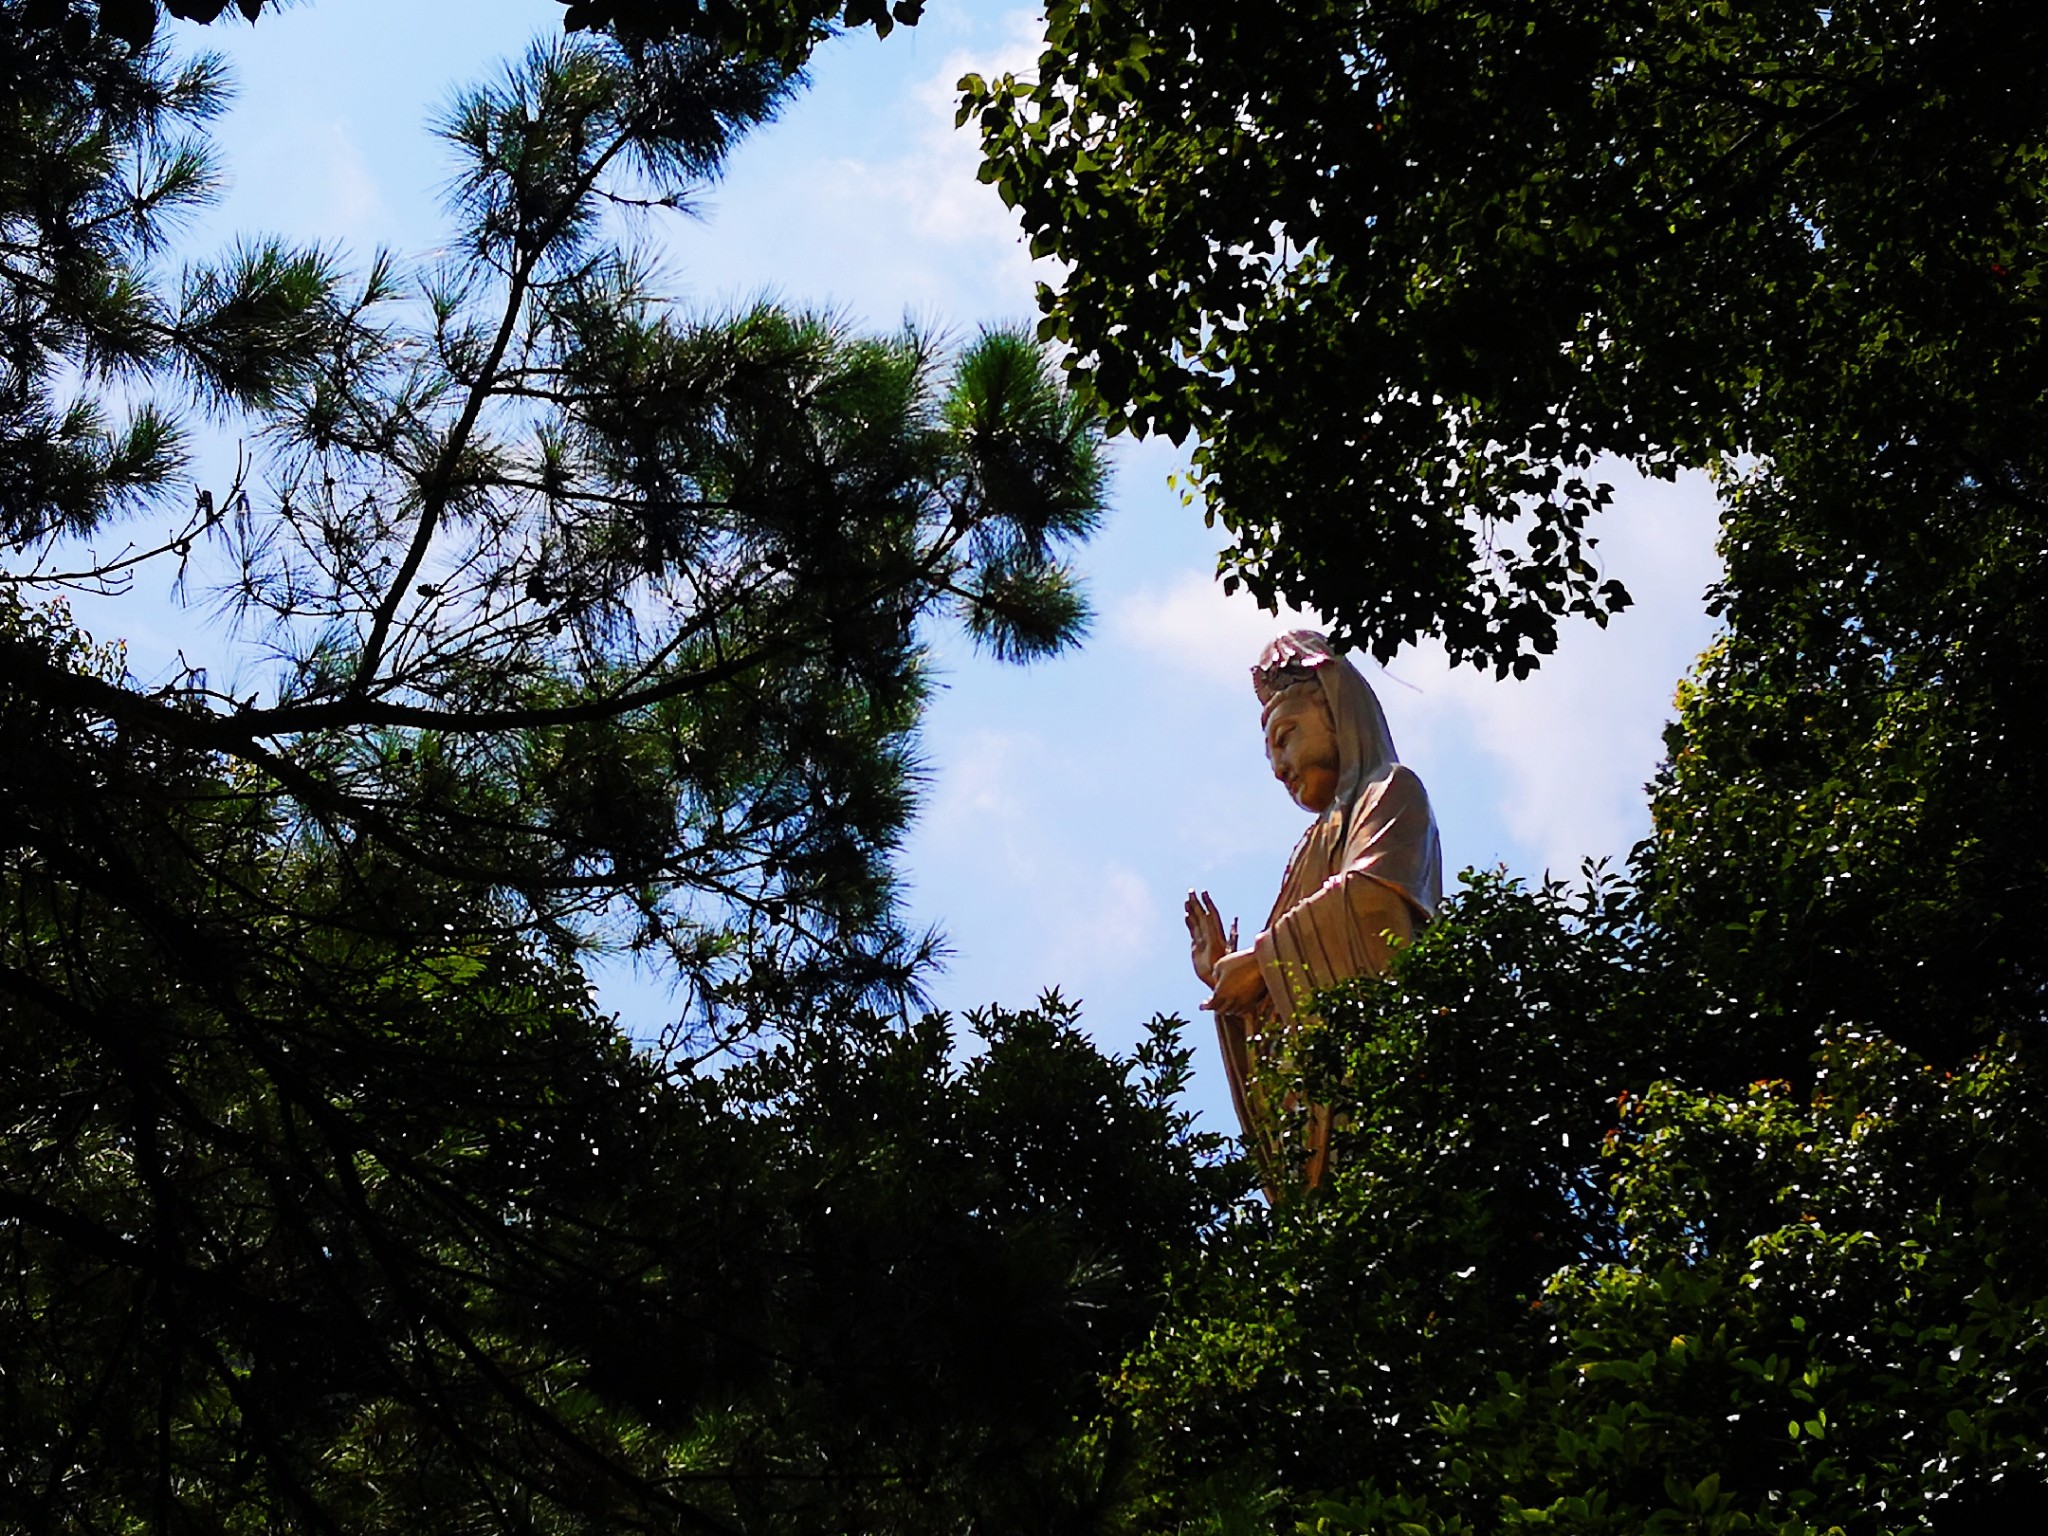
1574,1272
1707,1199
1412,275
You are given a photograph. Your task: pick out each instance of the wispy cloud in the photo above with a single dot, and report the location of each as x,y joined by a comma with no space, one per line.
1565,753
1060,907
1189,624
908,228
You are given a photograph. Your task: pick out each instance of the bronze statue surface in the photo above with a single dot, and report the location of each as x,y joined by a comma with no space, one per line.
1365,876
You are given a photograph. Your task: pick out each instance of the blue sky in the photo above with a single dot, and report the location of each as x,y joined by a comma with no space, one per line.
1070,805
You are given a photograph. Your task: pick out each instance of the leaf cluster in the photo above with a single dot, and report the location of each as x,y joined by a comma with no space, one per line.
328,1201
783,30
104,155
1413,273
1562,1279
1844,825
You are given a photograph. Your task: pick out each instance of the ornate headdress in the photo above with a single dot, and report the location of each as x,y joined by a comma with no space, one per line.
1289,662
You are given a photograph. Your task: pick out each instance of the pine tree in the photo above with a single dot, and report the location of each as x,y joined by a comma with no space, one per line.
328,1198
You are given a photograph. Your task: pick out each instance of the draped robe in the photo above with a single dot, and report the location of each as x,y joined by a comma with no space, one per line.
1364,877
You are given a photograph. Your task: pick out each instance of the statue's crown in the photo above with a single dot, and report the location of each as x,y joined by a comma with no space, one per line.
1270,682
1288,662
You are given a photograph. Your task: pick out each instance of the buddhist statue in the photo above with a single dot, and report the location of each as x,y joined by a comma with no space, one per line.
1364,877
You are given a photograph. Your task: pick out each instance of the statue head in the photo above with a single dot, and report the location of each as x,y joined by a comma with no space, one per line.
1325,735
1301,744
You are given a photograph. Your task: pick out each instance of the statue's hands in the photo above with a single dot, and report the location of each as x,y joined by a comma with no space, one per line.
1232,975
1239,983
1207,942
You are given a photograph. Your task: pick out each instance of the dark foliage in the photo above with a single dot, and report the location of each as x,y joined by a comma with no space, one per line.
785,30
328,1200
314,1222
1559,1279
1409,270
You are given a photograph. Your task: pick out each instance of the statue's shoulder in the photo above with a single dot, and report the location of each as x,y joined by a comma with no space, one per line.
1392,809
1398,788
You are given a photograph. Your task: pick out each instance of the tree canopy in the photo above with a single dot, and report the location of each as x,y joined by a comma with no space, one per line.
1410,274
608,609
1704,1196
784,30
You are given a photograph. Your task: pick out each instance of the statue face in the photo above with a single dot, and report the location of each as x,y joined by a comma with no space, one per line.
1301,744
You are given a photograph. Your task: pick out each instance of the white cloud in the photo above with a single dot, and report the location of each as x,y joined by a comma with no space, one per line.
1043,901
352,203
1568,750
1575,744
983,783
877,209
312,177
1193,627
1560,758
939,180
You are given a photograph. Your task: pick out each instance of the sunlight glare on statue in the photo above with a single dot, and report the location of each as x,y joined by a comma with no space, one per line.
1364,877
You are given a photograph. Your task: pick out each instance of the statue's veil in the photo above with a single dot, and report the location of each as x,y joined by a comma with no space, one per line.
1365,747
